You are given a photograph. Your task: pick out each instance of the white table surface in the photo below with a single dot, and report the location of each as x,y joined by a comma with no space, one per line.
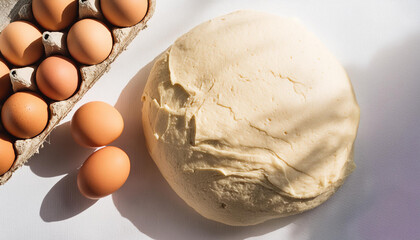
378,42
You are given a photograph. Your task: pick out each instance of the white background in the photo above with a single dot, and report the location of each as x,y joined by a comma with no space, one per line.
378,42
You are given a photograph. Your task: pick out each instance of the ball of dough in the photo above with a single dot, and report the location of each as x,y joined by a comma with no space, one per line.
249,117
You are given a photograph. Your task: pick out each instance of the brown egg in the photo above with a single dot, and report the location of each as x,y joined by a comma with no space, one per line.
7,153
89,41
24,115
124,13
55,15
57,77
103,173
96,124
21,43
5,84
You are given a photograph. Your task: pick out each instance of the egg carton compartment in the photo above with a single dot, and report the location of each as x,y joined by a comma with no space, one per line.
23,79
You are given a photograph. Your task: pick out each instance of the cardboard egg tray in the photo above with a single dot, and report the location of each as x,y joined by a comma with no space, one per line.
55,43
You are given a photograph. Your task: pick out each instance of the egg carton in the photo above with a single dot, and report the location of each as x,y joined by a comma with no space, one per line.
54,43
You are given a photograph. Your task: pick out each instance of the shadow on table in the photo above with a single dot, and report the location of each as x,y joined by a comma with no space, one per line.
63,201
380,200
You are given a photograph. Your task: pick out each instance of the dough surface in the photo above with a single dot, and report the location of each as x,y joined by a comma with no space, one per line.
249,117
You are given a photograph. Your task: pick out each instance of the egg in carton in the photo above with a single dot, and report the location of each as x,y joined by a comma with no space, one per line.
55,43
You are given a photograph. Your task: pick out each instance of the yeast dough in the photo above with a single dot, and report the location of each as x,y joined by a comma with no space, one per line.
249,117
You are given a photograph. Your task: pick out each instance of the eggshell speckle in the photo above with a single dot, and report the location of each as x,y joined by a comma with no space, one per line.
103,173
24,114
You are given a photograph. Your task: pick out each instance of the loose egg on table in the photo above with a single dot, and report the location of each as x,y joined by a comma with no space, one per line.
124,13
55,15
57,77
21,43
103,173
96,124
24,115
89,41
5,84
7,153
